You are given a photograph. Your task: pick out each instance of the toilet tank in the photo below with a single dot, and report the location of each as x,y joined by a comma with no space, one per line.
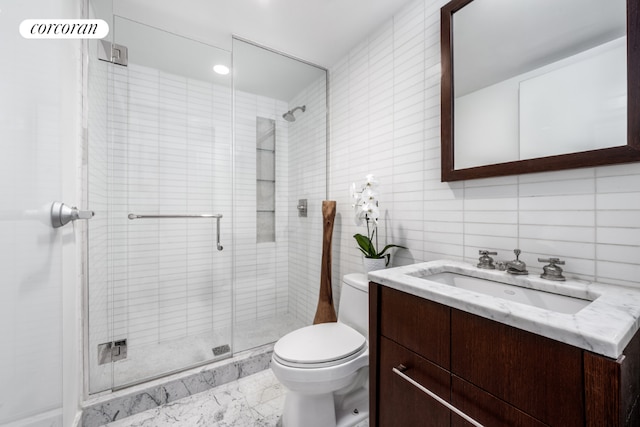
354,302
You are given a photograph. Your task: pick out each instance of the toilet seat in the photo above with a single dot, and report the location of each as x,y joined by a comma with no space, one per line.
322,345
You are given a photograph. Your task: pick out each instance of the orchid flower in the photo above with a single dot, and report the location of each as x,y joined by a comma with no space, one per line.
372,182
360,216
369,196
366,211
354,192
372,211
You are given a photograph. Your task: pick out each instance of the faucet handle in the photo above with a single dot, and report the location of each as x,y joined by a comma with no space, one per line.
552,261
485,252
516,266
485,261
552,271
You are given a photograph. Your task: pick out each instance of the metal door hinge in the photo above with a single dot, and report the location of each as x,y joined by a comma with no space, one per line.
112,351
114,53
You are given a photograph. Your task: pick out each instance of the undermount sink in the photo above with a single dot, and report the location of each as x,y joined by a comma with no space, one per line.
546,300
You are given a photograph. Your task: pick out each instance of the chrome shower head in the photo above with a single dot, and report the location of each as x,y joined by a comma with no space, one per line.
288,116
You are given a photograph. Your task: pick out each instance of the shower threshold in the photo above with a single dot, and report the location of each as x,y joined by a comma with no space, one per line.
151,362
120,404
256,339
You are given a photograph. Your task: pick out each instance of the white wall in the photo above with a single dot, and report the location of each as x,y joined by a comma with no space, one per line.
39,296
385,120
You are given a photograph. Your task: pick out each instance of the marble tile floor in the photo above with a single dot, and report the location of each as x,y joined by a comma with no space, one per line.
253,401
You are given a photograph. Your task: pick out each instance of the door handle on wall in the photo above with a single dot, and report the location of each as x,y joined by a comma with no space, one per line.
61,214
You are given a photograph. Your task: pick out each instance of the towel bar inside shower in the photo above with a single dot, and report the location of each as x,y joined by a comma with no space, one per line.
217,217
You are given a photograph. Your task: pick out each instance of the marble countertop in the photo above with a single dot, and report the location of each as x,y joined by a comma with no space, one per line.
605,326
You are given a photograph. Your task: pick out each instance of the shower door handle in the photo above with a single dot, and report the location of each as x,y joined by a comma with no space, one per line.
62,214
217,217
220,247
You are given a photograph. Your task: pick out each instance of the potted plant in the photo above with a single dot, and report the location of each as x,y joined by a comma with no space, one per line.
367,212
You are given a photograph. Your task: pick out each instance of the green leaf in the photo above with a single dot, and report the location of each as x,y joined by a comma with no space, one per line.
366,246
386,248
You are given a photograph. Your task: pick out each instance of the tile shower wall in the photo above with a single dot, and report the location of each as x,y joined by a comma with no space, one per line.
385,120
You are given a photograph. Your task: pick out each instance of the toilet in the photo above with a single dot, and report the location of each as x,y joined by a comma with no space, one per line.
325,367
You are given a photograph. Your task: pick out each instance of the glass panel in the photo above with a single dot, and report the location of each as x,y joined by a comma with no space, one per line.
278,268
105,261
165,289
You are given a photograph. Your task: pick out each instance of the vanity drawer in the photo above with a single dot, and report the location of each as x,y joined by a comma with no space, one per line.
402,403
485,408
420,325
537,375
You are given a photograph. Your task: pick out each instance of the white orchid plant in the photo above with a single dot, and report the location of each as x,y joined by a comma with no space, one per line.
367,212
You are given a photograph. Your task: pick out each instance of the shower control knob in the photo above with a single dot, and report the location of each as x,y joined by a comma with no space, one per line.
62,214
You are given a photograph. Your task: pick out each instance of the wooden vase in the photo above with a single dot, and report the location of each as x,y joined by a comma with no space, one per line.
325,312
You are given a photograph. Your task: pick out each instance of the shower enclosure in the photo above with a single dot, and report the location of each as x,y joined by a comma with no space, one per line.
196,251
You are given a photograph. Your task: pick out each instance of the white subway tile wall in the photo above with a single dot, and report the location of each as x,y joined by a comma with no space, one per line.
385,120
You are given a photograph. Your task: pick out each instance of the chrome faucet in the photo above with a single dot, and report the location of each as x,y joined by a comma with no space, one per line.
516,266
485,261
552,271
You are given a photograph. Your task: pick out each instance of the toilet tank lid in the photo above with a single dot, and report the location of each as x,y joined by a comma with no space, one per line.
357,280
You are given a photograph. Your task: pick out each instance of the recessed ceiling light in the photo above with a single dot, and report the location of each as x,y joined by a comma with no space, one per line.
221,69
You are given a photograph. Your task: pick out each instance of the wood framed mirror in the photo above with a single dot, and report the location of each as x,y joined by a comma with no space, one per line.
584,89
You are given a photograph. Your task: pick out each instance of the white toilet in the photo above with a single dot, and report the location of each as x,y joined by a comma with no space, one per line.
325,367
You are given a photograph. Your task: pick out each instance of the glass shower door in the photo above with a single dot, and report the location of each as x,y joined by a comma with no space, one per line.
160,294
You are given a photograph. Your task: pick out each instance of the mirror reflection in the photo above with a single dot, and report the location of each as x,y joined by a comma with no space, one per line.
536,78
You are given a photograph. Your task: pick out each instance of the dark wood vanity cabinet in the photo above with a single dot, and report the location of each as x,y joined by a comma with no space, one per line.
496,374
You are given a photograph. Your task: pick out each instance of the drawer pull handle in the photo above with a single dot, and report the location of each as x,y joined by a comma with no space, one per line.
400,371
